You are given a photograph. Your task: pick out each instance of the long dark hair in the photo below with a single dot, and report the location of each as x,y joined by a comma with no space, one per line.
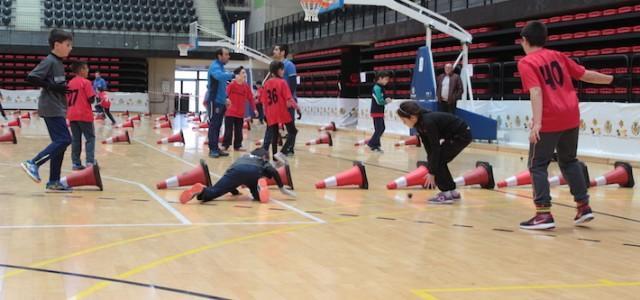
410,108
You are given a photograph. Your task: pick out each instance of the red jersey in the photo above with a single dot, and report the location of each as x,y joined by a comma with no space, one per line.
239,94
104,100
258,93
275,98
78,100
552,71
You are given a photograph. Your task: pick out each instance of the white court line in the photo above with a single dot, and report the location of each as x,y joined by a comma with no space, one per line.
158,199
292,208
151,193
149,225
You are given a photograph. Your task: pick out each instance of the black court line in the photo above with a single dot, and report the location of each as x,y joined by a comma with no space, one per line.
106,198
7,194
242,206
141,200
589,240
173,202
72,196
349,215
313,212
385,218
503,230
208,203
275,208
631,245
570,206
423,222
462,225
141,284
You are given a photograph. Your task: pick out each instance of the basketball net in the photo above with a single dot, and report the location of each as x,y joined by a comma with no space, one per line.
312,8
184,49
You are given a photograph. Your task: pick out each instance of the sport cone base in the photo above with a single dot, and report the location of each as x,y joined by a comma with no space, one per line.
176,138
357,175
285,176
88,177
522,178
325,138
162,118
198,175
482,175
330,127
135,118
622,174
414,178
163,125
9,136
26,115
413,140
118,139
127,124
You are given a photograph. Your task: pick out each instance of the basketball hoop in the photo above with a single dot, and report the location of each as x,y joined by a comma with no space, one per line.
312,8
184,49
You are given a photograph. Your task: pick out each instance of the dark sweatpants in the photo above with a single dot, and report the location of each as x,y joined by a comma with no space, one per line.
234,177
271,138
60,140
541,154
450,149
378,127
232,131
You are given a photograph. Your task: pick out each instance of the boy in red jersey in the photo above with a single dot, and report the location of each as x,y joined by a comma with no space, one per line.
258,88
546,75
79,113
276,98
105,104
239,93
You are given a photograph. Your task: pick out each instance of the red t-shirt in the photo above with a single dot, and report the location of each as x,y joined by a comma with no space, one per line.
552,71
104,100
79,107
239,94
274,97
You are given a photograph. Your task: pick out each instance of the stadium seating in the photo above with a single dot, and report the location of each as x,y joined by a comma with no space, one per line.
6,12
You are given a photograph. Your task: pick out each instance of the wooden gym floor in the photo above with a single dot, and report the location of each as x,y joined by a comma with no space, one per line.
135,242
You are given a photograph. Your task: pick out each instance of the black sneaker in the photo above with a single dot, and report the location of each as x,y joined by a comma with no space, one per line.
78,167
223,154
541,221
584,215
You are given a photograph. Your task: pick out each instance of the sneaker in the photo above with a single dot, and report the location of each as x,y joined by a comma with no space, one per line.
31,169
540,221
223,154
214,154
240,149
263,190
290,153
584,215
235,192
91,164
455,195
441,198
281,158
191,193
78,167
377,150
57,187
225,148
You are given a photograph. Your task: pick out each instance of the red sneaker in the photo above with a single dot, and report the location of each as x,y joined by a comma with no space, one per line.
191,193
584,215
263,190
540,221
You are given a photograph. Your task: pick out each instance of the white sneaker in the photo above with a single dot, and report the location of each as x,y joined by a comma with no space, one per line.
281,158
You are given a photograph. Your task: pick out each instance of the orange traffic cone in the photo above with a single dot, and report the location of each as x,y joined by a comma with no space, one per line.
163,125
415,177
198,175
90,176
125,113
362,142
285,176
15,123
482,175
246,125
413,140
176,138
26,115
325,138
201,126
354,176
622,175
522,178
127,124
118,139
559,180
9,136
135,118
330,127
162,118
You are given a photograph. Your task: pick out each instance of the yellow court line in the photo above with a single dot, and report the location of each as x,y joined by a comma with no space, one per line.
427,293
103,284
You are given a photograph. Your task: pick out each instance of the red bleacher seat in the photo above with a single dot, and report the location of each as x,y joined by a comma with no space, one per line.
635,70
555,19
594,33
609,12
607,51
609,31
605,91
607,71
521,24
517,91
544,21
567,18
636,7
591,91
580,16
622,70
620,90
593,52
636,90
481,76
516,74
623,30
621,50
566,36
579,35
595,14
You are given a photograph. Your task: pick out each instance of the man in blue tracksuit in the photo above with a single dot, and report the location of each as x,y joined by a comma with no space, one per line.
217,99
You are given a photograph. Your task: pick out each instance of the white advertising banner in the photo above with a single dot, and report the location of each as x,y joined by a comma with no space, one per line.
610,130
392,122
28,99
321,111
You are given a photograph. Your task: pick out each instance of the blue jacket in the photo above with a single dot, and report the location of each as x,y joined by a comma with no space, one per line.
217,83
99,83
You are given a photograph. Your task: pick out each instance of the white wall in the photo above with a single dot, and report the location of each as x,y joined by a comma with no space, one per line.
161,70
